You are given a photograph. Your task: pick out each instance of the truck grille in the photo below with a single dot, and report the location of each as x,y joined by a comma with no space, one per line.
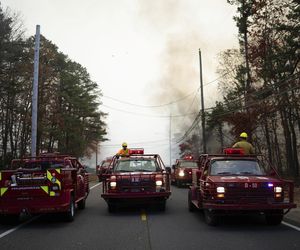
136,184
248,195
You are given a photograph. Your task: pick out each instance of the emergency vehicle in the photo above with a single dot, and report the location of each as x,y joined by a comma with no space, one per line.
103,169
182,171
233,183
49,183
137,179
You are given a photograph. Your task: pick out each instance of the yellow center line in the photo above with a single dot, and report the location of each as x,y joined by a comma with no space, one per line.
143,215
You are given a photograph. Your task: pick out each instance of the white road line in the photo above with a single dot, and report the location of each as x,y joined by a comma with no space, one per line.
17,227
290,225
95,185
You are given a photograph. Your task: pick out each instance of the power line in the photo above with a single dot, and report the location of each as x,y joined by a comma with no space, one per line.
278,84
169,103
147,115
150,106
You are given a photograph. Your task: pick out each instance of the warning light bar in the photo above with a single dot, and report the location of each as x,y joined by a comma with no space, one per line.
234,151
188,157
136,151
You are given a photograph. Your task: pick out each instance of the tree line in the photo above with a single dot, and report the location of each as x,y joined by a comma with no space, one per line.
69,118
260,84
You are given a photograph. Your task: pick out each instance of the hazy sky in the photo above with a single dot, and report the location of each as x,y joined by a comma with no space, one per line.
144,55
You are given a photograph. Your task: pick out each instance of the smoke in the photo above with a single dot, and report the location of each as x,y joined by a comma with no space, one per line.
179,70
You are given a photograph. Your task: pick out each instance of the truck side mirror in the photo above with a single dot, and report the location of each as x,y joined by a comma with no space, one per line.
168,169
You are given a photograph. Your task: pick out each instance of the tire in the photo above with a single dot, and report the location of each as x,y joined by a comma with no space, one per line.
81,204
178,184
274,218
70,214
112,208
210,217
162,205
191,206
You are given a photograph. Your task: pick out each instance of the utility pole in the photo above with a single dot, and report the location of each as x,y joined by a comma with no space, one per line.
170,137
202,105
35,92
96,154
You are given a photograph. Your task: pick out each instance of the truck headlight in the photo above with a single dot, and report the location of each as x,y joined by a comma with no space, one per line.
113,184
181,173
220,190
278,189
158,183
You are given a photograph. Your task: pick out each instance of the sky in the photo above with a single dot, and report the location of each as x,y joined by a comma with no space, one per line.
144,55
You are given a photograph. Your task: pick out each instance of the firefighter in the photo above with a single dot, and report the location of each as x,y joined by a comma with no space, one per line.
244,144
124,152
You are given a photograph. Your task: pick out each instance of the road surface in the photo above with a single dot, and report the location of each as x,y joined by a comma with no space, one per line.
145,228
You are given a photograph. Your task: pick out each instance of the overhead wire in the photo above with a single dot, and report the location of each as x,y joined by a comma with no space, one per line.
278,84
169,103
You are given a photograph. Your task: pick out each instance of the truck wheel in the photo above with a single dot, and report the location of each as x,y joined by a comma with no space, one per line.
210,217
274,218
70,214
81,204
112,207
178,183
162,206
190,204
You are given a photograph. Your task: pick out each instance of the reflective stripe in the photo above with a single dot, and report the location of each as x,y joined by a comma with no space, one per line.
52,193
58,170
0,176
45,188
2,191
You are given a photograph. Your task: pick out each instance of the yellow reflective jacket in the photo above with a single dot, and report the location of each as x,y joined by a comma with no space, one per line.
123,152
246,146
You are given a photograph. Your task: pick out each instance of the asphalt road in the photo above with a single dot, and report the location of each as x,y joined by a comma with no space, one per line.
145,228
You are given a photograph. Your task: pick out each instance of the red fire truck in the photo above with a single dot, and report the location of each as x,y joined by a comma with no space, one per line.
182,171
49,183
137,179
233,183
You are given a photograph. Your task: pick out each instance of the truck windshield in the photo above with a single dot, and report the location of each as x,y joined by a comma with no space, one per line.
188,164
136,166
236,167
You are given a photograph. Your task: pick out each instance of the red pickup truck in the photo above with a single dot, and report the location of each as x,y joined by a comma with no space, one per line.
137,179
182,171
49,183
234,183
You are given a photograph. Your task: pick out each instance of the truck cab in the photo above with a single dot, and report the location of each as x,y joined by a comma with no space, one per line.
137,179
182,171
234,183
49,183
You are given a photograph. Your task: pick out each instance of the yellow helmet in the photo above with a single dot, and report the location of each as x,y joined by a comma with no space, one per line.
243,135
124,144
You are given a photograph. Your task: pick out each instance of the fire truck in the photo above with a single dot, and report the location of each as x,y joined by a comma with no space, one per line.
182,171
49,183
103,169
233,183
137,179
